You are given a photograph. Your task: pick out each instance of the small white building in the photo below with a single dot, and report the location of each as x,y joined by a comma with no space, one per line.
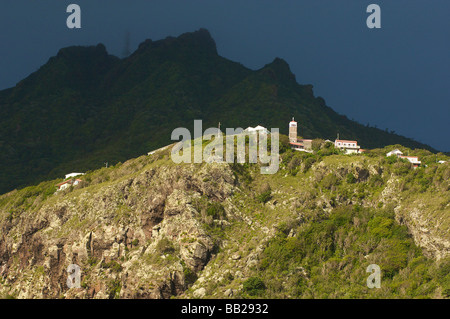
73,175
413,160
349,147
259,129
68,183
395,152
297,146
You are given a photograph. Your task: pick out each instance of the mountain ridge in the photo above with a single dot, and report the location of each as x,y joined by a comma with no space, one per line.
85,107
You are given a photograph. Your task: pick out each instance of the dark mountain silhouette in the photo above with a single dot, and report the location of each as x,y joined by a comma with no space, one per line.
85,107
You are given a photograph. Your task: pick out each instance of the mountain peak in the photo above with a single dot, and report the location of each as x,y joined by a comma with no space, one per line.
279,69
83,51
201,34
200,39
77,67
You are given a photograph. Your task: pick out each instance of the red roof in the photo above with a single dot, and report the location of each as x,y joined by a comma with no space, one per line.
60,184
345,141
293,143
69,180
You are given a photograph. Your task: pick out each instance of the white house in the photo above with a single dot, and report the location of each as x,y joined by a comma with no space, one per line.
73,175
395,152
413,160
300,146
68,183
349,147
259,129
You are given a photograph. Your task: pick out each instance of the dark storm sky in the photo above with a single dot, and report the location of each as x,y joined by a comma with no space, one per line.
396,77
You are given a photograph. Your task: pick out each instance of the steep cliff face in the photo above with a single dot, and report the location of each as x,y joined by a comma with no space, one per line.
135,237
428,225
425,214
149,228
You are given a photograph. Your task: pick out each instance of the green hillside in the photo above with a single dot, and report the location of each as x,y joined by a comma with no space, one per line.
85,107
149,228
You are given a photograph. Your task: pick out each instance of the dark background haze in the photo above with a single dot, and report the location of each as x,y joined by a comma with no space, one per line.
396,77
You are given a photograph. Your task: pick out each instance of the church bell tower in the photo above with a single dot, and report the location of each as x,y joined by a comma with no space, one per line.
293,131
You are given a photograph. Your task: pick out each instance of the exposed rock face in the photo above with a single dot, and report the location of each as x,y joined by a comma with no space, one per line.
425,232
132,238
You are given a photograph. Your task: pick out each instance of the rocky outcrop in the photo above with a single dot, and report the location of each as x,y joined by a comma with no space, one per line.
425,231
132,238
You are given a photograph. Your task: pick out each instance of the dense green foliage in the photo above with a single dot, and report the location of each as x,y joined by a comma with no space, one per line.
254,286
325,254
336,250
84,107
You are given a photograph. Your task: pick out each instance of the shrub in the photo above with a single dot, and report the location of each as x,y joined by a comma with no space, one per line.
113,265
215,210
92,261
242,172
165,246
284,143
189,276
394,256
330,180
443,277
351,178
265,194
114,287
254,286
381,227
135,242
308,163
375,180
402,167
327,149
391,159
294,163
317,144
